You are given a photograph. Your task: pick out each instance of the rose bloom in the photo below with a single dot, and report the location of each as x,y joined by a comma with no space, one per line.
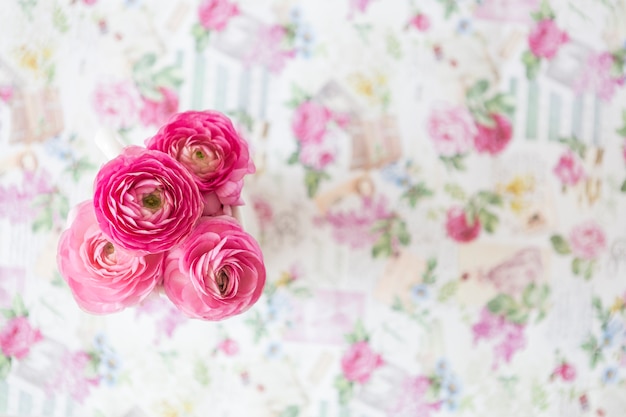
116,104
215,14
569,169
146,201
359,362
546,38
587,240
309,122
103,278
566,371
17,337
457,227
218,272
158,112
452,130
420,22
318,155
207,144
493,139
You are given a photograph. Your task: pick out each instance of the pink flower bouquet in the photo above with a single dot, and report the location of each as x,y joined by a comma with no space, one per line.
160,220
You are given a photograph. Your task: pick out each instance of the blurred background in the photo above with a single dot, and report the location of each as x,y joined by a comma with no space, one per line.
438,194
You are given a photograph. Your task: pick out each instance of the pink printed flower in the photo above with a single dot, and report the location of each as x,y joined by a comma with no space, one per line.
318,155
359,6
116,104
309,123
6,93
569,169
452,130
71,376
229,347
207,144
587,240
217,272
268,49
17,337
158,112
597,76
493,139
458,228
546,38
215,14
359,362
420,22
146,201
565,371
413,399
90,2
103,278
509,337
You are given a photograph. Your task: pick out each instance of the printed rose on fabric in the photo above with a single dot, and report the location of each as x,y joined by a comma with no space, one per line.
104,278
208,146
146,201
269,49
218,272
452,130
493,139
116,104
546,38
569,169
508,336
228,347
420,22
358,363
586,242
458,227
599,75
215,14
157,112
566,371
309,122
17,337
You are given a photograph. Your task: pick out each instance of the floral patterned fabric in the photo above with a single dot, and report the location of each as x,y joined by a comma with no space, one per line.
438,198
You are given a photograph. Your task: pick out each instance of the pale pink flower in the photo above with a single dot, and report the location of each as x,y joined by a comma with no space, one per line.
359,6
412,400
458,228
263,210
90,2
359,362
310,121
71,376
565,371
6,93
318,155
208,146
587,240
17,337
420,22
508,337
146,201
269,49
452,130
166,316
218,272
569,169
597,77
103,277
493,139
229,347
16,201
157,112
116,104
546,38
215,14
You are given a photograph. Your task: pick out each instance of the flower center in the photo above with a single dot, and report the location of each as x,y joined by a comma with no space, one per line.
152,201
108,252
222,281
199,154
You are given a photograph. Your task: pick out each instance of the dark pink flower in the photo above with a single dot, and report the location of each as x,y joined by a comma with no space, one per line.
565,371
359,362
569,169
493,139
458,228
146,201
17,337
546,38
215,14
420,22
157,112
207,144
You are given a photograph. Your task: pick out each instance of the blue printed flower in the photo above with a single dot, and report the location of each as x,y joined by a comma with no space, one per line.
274,351
442,368
109,367
609,375
395,174
419,293
464,27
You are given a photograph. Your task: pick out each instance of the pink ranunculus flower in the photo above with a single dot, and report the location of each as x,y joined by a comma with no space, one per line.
215,14
420,22
458,228
116,104
103,277
207,144
17,337
218,272
569,169
359,362
157,112
587,240
493,139
546,38
309,122
146,201
452,130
